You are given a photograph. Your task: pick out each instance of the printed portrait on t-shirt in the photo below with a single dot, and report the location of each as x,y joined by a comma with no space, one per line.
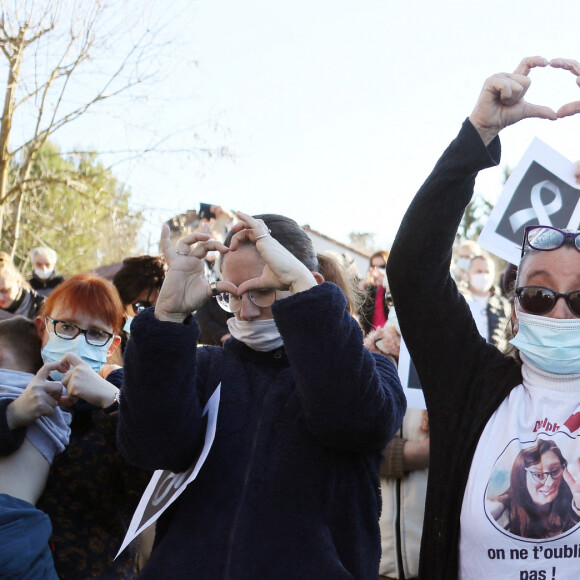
532,492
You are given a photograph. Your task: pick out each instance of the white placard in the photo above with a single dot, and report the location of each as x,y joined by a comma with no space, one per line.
541,190
165,486
410,380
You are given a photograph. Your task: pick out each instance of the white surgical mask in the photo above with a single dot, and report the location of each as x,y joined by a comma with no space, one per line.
43,274
552,344
56,348
260,335
480,282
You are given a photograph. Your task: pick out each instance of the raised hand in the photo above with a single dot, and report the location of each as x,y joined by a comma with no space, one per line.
501,102
283,270
39,398
574,67
185,287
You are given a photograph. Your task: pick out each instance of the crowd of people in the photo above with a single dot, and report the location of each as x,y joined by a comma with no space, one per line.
314,467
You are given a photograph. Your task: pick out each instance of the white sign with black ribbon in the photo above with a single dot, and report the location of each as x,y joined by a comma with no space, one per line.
165,486
541,190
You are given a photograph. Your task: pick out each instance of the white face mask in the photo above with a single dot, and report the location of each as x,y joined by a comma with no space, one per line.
43,274
260,335
480,282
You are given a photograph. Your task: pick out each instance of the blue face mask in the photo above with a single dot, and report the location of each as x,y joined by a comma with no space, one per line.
127,327
56,348
552,344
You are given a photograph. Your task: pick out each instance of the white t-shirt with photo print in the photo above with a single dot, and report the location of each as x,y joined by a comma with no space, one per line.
519,518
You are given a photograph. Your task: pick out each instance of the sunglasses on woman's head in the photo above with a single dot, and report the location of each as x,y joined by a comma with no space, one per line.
547,238
540,300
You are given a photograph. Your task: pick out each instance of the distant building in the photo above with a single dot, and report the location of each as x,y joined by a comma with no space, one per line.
323,243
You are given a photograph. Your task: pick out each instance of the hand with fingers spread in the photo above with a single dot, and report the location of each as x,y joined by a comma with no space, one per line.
185,287
282,271
501,102
38,399
82,382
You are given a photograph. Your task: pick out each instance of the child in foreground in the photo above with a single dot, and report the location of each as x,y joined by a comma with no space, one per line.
23,472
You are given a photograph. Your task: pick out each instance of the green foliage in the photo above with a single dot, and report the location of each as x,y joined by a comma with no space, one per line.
74,205
474,218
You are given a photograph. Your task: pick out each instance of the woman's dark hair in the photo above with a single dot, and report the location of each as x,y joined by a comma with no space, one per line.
290,235
525,519
139,274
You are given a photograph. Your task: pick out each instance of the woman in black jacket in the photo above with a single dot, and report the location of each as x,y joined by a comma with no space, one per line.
484,408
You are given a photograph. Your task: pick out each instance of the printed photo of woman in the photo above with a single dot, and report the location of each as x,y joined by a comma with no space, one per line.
539,502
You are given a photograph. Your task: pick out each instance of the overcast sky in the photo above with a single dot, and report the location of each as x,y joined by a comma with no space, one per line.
337,110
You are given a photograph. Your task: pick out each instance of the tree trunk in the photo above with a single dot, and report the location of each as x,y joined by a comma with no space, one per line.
16,51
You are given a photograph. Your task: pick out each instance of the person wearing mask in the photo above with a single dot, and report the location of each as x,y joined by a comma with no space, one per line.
373,310
44,275
17,298
485,407
490,310
138,283
465,251
91,492
290,486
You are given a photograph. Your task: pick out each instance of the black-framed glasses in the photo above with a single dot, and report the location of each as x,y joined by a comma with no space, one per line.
542,476
547,238
69,331
540,300
141,305
262,298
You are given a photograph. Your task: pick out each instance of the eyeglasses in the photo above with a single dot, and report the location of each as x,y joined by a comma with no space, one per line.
539,299
262,298
546,238
542,476
138,306
69,331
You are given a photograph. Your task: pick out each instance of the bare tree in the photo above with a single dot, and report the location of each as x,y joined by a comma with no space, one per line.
62,59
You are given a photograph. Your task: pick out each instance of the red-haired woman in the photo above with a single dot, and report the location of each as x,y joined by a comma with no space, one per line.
91,492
